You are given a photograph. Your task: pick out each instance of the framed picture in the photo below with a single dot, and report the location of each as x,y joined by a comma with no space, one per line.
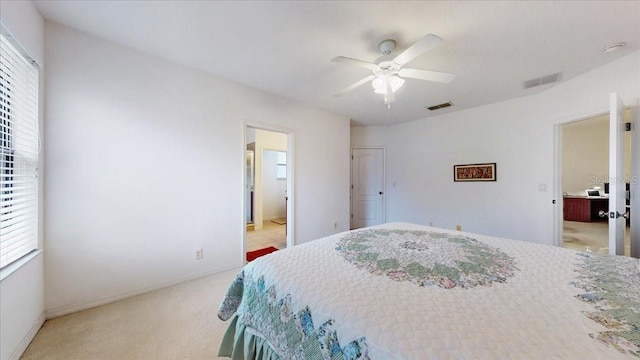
474,172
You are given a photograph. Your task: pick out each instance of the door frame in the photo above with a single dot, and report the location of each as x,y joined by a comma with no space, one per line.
617,190
384,182
558,219
635,177
290,180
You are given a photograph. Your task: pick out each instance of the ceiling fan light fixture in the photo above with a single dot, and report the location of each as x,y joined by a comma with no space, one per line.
388,74
380,85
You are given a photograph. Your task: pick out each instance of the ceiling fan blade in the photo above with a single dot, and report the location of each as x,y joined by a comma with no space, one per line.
355,85
437,76
354,62
423,45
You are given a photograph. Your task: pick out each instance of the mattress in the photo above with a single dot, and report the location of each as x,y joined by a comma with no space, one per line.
406,291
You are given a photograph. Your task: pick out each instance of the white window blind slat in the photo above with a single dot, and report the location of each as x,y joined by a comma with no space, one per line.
13,219
20,246
16,230
19,147
14,202
18,208
16,189
18,243
16,251
25,180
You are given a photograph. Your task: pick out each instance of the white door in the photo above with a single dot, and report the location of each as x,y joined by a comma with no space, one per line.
367,187
617,182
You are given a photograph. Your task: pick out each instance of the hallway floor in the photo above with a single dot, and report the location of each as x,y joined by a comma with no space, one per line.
271,234
592,236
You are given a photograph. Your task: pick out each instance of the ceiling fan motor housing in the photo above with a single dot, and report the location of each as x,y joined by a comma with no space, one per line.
386,46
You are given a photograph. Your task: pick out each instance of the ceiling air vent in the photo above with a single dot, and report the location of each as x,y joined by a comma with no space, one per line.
441,106
548,79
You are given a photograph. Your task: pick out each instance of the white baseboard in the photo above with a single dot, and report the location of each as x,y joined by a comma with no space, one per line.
28,337
68,309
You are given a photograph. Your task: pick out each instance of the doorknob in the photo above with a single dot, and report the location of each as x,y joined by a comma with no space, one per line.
380,193
613,215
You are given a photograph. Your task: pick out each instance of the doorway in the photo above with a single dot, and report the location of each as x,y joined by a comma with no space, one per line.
367,187
584,183
267,185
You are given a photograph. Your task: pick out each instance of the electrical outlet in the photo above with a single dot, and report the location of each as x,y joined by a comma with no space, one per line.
199,254
458,227
430,223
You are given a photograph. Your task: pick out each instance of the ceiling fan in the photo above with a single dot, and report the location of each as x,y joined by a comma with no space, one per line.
388,73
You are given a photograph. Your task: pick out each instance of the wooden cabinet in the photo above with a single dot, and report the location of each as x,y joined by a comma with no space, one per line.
584,209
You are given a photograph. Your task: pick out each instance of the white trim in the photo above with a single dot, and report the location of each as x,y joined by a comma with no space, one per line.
14,266
290,180
558,212
84,305
635,179
290,190
23,50
28,337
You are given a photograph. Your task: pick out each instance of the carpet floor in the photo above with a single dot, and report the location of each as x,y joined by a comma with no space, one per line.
178,322
591,236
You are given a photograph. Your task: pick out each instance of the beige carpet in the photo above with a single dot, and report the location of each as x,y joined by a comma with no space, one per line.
591,236
179,322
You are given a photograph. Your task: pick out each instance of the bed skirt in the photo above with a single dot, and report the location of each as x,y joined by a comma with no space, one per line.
239,343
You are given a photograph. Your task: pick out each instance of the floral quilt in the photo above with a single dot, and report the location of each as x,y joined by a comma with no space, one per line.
405,291
612,287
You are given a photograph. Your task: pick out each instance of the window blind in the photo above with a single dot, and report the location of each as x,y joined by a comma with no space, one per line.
19,147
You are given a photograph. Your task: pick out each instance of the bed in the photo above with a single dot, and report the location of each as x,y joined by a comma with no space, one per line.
405,291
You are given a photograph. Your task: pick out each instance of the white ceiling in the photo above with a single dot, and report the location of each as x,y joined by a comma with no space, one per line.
285,47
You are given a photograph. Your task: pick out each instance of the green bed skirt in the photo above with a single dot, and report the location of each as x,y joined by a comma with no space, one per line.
239,344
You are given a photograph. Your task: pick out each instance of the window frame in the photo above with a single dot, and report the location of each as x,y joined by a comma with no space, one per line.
19,153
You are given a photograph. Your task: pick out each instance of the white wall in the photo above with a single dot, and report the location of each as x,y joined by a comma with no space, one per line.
585,154
147,161
585,148
517,134
22,291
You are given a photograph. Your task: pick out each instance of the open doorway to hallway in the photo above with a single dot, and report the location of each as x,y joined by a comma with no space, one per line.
585,169
266,185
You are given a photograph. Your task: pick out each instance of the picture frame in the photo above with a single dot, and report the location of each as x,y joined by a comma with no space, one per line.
475,172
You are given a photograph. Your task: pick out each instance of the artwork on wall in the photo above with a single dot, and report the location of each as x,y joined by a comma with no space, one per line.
474,172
